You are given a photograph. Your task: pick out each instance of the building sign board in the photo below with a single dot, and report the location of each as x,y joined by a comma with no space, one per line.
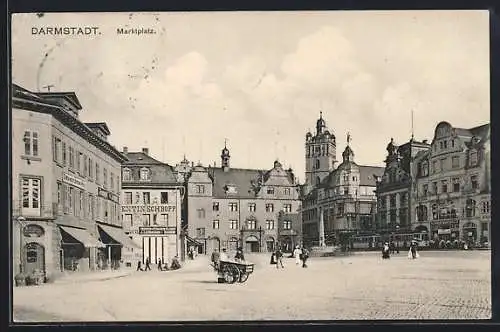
160,208
73,180
444,231
157,230
107,195
33,230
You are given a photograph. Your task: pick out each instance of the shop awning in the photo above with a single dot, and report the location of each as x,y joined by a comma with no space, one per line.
193,242
119,236
83,236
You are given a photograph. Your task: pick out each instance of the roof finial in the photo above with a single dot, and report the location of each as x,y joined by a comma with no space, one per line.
348,138
321,114
225,143
412,124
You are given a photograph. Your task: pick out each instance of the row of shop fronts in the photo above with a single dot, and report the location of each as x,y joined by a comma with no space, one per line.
52,248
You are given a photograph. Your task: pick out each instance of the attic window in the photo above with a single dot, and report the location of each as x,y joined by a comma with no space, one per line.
145,174
231,189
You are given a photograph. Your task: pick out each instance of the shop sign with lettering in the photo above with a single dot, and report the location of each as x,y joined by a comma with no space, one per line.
147,208
156,230
73,180
107,195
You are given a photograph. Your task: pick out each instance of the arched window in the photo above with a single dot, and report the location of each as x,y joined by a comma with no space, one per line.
317,164
145,174
127,175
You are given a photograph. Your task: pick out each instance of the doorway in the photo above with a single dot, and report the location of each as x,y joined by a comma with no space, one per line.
34,258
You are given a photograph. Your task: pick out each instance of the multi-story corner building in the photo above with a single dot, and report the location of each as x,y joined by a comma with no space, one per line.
230,207
151,208
65,186
344,201
453,182
396,188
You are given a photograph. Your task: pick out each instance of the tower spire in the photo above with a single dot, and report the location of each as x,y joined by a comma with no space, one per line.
348,138
412,132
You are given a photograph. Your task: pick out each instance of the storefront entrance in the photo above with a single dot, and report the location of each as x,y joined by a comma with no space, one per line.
470,232
252,244
270,244
34,258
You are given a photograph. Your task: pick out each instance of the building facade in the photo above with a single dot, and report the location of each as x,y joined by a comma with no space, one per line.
453,185
344,201
230,207
396,188
65,186
151,208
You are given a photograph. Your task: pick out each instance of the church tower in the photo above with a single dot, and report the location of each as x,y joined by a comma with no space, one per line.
320,153
225,158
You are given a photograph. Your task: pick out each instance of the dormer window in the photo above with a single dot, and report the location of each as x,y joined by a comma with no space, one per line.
145,174
127,175
231,189
270,191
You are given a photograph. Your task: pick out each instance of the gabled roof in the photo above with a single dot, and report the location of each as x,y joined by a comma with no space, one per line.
140,158
241,178
366,174
160,172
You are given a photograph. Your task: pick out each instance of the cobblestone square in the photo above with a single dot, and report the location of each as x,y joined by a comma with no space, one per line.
439,285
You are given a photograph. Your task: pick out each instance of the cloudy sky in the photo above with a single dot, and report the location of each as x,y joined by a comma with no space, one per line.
260,79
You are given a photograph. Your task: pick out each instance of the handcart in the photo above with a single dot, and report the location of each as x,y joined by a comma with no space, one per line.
231,271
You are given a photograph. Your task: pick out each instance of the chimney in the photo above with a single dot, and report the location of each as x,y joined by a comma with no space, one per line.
125,149
145,151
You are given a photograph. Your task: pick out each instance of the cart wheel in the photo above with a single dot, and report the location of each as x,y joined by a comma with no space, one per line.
244,277
236,273
228,274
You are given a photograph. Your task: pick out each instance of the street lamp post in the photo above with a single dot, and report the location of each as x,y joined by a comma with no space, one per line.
21,221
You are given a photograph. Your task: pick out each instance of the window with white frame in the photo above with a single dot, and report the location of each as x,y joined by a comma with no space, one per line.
200,189
269,207
287,224
455,162
30,143
252,207
485,207
215,224
164,219
127,176
269,224
128,197
287,208
215,206
251,224
233,206
56,149
31,196
145,174
287,191
233,224
201,213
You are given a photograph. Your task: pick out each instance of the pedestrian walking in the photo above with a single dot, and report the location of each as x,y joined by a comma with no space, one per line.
386,251
305,256
413,254
279,258
139,266
273,258
296,253
148,264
